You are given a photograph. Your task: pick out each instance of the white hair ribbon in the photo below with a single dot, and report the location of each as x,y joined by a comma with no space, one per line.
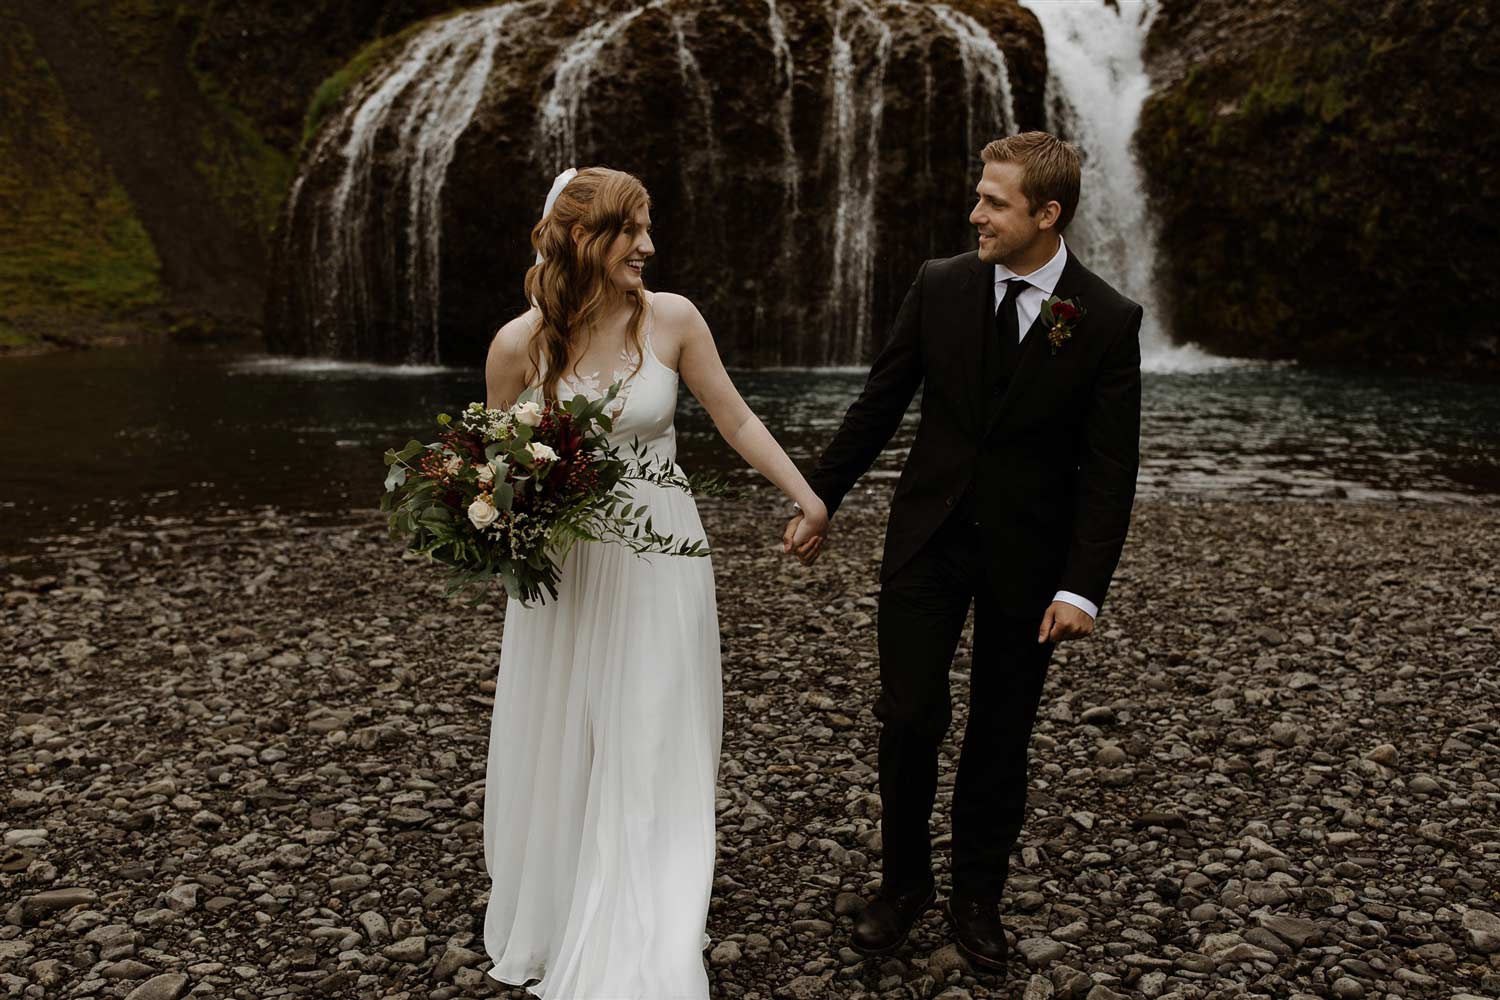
558,183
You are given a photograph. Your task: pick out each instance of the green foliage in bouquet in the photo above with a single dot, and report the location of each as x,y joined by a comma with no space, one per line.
505,494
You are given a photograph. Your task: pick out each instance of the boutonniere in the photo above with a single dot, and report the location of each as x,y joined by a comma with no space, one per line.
1060,315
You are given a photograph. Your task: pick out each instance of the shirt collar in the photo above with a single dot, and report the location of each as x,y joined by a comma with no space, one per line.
1044,277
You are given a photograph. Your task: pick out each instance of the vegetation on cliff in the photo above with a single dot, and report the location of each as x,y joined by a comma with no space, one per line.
145,147
72,251
1327,178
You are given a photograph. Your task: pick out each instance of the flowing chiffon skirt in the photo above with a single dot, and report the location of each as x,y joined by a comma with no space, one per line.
603,759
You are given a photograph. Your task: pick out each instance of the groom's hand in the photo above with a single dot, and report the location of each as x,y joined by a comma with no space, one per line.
1064,621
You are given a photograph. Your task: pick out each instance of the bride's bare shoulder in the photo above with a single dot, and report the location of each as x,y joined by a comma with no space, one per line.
672,308
677,316
513,340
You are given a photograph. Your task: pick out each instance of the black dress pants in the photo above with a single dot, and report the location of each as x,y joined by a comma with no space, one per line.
921,616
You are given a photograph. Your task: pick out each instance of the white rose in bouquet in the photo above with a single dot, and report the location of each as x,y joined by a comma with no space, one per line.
540,452
482,513
528,413
485,473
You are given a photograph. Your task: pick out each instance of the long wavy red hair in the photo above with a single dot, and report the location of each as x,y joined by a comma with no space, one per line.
571,284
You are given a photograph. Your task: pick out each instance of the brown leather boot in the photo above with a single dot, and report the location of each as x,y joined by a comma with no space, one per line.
978,932
885,922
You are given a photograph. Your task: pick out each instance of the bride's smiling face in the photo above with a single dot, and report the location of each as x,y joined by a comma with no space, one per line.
629,252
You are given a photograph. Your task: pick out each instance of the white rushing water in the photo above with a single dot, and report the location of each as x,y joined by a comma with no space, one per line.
986,76
700,161
571,73
863,38
786,68
375,254
855,109
1097,85
426,98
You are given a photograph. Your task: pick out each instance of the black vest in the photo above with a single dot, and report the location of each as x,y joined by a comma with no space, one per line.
1002,355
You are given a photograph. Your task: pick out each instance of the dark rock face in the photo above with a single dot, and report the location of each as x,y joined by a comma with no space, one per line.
271,57
803,159
1327,178
194,185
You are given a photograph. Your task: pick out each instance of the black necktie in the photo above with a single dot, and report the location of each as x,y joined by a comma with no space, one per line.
1006,322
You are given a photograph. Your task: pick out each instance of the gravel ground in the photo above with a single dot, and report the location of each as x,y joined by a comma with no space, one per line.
246,759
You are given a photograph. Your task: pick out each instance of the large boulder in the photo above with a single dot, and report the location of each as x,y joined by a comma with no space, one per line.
1327,178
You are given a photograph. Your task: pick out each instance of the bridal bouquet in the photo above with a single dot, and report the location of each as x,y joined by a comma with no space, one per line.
506,493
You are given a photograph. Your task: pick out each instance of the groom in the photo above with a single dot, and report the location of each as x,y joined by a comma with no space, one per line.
1016,495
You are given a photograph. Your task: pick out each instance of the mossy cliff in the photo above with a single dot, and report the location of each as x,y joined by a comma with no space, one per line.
72,250
145,146
1327,178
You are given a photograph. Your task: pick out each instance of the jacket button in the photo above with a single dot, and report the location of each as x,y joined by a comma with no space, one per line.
948,501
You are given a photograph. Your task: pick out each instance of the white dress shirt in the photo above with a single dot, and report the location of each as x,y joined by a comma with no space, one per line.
1040,284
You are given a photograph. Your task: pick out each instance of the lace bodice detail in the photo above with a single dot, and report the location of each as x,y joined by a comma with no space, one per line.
647,401
595,385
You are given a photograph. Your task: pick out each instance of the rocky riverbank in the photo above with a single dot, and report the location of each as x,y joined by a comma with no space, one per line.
247,760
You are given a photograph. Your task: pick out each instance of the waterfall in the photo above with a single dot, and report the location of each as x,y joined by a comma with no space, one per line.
570,81
786,68
363,254
985,74
697,163
427,97
856,150
442,109
1097,85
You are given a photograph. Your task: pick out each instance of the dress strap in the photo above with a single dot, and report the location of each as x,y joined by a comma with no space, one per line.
649,327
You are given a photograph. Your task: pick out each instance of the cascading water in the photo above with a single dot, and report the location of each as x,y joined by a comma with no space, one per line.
702,162
786,68
986,77
572,71
517,90
856,151
427,97
1097,85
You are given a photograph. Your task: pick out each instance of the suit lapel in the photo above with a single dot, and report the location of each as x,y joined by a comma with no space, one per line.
1031,369
975,324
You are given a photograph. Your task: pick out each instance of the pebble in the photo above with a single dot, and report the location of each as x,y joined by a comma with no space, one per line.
725,953
168,986
259,829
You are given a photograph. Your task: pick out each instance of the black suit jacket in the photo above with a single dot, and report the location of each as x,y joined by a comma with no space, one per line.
1052,458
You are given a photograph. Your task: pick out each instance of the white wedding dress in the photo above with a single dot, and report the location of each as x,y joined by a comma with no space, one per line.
604,753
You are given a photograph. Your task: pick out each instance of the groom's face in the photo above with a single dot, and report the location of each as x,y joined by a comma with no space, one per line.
1007,229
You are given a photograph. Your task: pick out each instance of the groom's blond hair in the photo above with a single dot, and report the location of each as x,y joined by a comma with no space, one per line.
1050,169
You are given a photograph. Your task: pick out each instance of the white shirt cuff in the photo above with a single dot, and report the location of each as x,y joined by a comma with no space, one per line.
1083,604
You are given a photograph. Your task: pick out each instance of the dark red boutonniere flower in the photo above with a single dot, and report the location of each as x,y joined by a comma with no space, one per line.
1060,315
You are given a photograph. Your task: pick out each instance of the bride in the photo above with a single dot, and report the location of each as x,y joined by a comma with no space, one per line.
604,744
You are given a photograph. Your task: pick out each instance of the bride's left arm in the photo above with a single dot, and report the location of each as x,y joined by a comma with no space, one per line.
703,372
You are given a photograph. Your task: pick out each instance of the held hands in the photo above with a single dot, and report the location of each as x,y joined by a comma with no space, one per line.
1064,621
805,533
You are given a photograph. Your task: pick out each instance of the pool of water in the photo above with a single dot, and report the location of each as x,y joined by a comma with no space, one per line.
185,430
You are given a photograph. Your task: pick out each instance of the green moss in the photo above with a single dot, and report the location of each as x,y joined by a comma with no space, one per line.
244,171
70,241
12,337
1298,180
330,93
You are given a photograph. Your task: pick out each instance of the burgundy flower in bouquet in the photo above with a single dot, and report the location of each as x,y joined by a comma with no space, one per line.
504,494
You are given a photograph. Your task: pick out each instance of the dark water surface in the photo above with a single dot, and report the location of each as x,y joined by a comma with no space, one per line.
174,430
